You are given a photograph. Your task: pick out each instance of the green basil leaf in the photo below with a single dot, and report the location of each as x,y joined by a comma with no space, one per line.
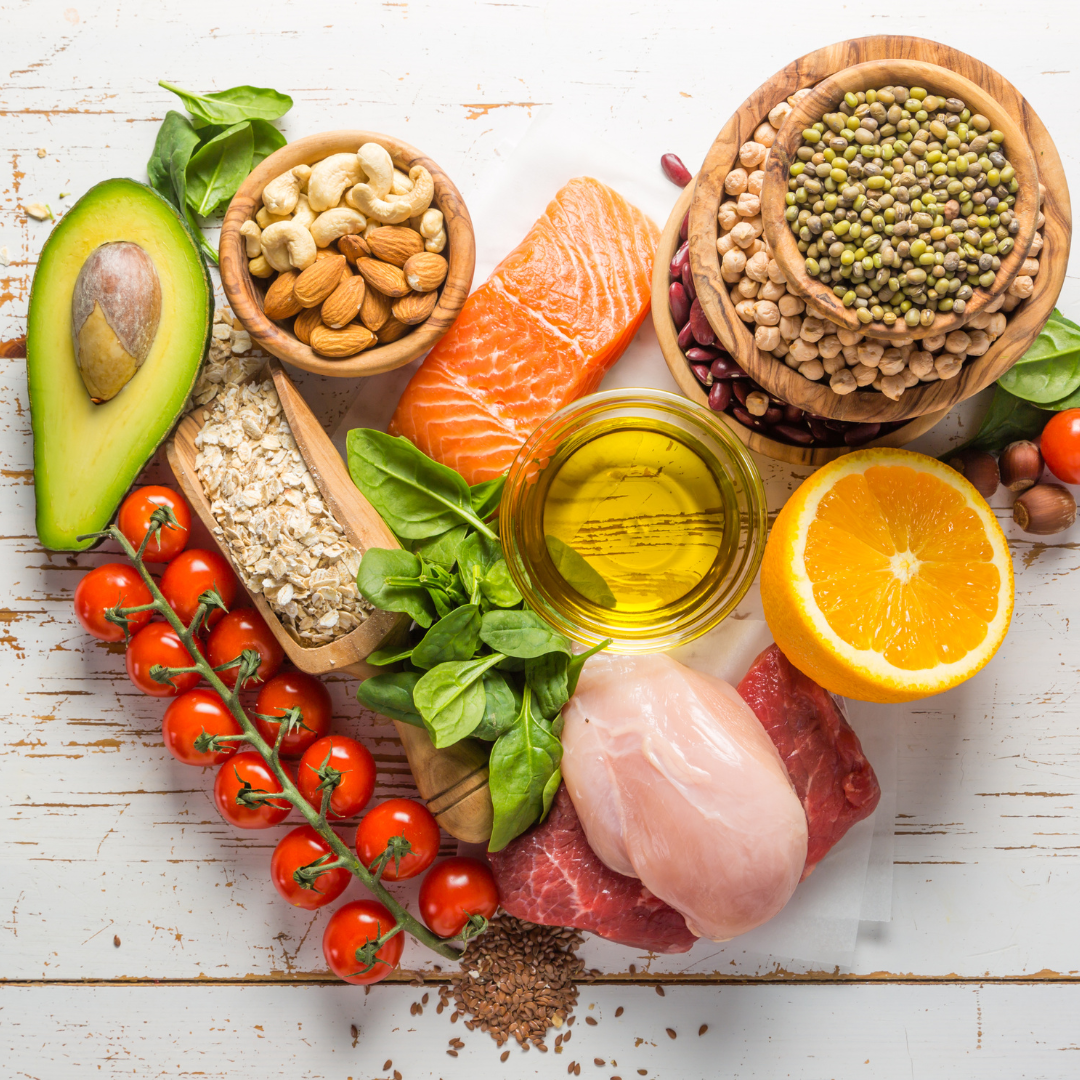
265,140
175,138
1007,420
1050,369
485,496
450,698
382,581
232,106
521,633
501,707
218,168
442,549
392,696
382,657
546,676
578,573
573,672
520,774
455,636
415,496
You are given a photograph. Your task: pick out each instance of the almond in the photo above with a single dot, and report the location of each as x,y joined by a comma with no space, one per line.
305,322
319,280
392,330
353,248
395,243
336,344
343,304
375,309
280,302
425,271
415,307
389,280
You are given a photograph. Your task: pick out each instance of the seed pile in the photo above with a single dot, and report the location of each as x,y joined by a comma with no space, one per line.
517,981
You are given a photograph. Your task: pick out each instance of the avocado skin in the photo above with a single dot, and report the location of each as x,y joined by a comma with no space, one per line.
86,456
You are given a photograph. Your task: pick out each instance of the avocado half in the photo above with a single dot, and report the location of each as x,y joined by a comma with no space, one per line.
87,452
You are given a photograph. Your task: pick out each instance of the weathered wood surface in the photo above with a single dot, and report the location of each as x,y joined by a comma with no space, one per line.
102,834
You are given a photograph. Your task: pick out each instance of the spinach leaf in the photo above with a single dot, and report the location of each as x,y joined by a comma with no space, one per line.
550,788
232,106
485,496
501,707
382,657
522,634
522,769
498,588
442,549
573,672
415,496
451,698
578,573
1007,420
386,578
1050,369
218,168
477,555
1072,401
456,636
265,140
175,137
546,677
392,695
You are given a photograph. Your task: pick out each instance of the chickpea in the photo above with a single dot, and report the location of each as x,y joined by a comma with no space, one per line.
766,313
957,342
757,266
749,205
812,370
771,291
805,350
863,375
842,382
732,265
775,273
767,338
755,182
765,134
791,305
735,182
812,329
748,287
1022,286
830,346
751,154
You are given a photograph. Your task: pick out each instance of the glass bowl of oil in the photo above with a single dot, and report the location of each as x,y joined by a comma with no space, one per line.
633,515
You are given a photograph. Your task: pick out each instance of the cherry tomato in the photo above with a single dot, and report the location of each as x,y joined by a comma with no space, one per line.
397,817
301,847
288,690
239,630
109,586
357,768
134,521
1060,445
249,767
192,573
349,928
188,716
158,643
455,889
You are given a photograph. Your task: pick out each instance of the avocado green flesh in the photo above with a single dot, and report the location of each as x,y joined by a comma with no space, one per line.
85,455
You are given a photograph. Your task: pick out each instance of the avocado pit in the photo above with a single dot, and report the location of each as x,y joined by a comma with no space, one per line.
115,312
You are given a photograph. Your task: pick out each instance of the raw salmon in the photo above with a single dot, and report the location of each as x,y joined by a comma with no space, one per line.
554,316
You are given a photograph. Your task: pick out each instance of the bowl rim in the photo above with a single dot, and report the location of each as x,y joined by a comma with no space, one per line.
246,299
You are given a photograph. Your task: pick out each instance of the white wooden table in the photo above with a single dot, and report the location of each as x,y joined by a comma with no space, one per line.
140,936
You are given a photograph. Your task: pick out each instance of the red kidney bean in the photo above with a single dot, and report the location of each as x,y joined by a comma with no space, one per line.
679,303
858,434
675,170
773,415
723,367
679,260
793,434
699,325
684,229
701,373
746,419
686,337
792,414
835,425
720,396
821,433
702,355
688,282
741,388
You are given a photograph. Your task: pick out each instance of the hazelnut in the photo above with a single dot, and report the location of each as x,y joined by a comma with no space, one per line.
1021,465
979,468
1045,509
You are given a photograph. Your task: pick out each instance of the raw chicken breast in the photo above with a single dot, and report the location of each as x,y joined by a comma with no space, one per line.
677,783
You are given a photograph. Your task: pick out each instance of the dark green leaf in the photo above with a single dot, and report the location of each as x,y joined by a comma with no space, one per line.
498,588
476,556
549,791
176,136
579,574
485,496
501,707
456,636
578,662
450,698
1070,402
382,657
218,168
200,236
1050,369
521,633
382,581
232,106
521,770
392,696
442,549
265,140
415,496
546,677
1007,420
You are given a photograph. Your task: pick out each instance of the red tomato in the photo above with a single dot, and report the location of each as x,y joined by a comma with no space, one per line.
188,716
239,630
288,690
109,586
301,847
158,643
1060,444
455,889
357,768
349,929
134,521
397,817
249,767
192,573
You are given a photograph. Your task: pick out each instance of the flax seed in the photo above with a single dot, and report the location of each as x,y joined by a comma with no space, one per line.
671,1033
504,1055
387,1065
660,990
619,1011
701,1030
591,1021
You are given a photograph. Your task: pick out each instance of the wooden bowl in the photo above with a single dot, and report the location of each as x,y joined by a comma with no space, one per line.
667,334
863,406
824,98
245,294
363,527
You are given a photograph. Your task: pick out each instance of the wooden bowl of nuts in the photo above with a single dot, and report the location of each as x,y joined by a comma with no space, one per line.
762,319
347,253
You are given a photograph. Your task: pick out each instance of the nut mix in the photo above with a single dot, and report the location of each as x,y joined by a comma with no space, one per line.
353,247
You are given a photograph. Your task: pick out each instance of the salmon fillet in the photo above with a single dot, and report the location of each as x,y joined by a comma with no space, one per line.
541,332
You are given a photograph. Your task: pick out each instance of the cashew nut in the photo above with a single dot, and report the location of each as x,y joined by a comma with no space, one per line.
330,177
371,227
280,195
378,167
399,207
263,217
437,242
303,175
303,214
252,235
259,267
340,221
431,223
402,185
288,245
